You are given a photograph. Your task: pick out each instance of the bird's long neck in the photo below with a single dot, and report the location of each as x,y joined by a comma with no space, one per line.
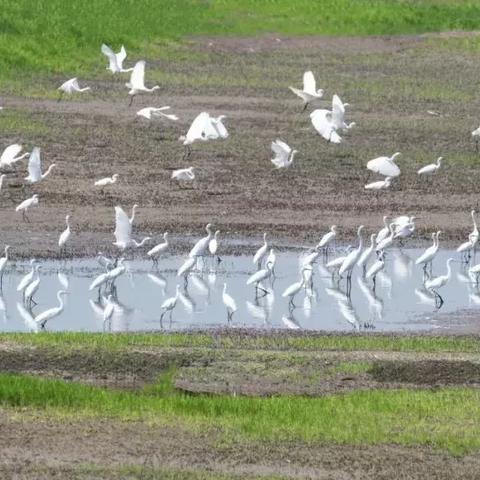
139,244
360,241
292,155
225,288
474,221
6,253
48,171
60,300
449,270
67,221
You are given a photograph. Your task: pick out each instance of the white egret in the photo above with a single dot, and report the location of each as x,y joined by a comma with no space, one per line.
109,309
169,304
294,288
106,181
32,287
367,253
9,155
157,250
63,280
309,92
2,178
229,303
137,78
197,129
26,279
213,246
430,253
260,275
123,230
283,154
183,175
336,263
433,284
115,60
152,112
26,204
385,166
476,136
65,235
328,237
47,315
3,264
35,168
466,249
200,248
379,185
272,260
405,230
352,258
311,257
475,234
71,86
377,267
431,168
261,252
217,129
382,234
387,241
187,267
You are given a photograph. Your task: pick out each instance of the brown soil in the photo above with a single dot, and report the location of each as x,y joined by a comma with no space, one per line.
391,83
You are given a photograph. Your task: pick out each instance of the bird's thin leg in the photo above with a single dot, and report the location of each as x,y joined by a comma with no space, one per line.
161,319
131,100
305,107
374,283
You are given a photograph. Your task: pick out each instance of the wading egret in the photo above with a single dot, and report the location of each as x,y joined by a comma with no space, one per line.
475,234
429,254
109,309
229,303
433,284
405,230
259,276
387,241
187,267
115,60
385,166
384,231
9,155
296,287
432,168
65,235
283,154
44,317
32,287
271,259
377,267
352,258
106,181
309,92
123,230
213,245
157,250
71,86
152,112
367,253
3,264
261,252
169,304
200,248
328,238
35,167
25,205
137,79
26,279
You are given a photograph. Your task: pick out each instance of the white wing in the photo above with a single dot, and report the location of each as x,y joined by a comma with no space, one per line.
282,153
309,85
299,93
338,112
383,166
10,153
219,127
121,56
197,129
321,120
138,74
112,58
34,165
123,229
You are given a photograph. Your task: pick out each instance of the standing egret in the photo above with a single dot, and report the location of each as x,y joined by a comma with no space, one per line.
106,181
168,305
377,267
261,252
385,166
387,241
35,168
213,246
152,112
432,168
25,205
108,310
186,268
351,259
475,234
430,253
380,185
9,155
43,317
71,86
229,303
405,230
200,248
309,92
157,250
294,288
183,175
115,60
260,275
433,284
136,83
123,230
26,279
383,233
271,259
3,264
283,154
32,288
367,253
327,239
65,235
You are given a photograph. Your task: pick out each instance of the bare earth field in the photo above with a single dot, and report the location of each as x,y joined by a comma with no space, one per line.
391,84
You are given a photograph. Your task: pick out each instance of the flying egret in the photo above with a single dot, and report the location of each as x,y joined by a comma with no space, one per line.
377,267
123,230
35,168
324,125
65,235
3,264
432,168
229,303
71,86
260,275
183,175
380,185
32,287
47,315
352,258
367,253
106,181
430,253
283,154
26,204
9,155
433,284
157,250
200,248
115,60
309,92
169,304
136,83
26,279
152,112
261,252
385,166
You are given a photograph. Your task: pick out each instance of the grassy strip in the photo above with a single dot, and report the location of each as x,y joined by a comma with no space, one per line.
445,419
239,340
54,36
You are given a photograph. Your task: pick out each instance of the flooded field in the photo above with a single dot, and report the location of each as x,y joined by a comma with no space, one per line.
398,303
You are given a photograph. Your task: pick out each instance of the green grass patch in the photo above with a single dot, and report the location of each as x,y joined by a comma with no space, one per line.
445,419
12,121
309,342
58,37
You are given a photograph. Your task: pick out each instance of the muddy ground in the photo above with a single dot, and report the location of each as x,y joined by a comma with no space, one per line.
391,83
